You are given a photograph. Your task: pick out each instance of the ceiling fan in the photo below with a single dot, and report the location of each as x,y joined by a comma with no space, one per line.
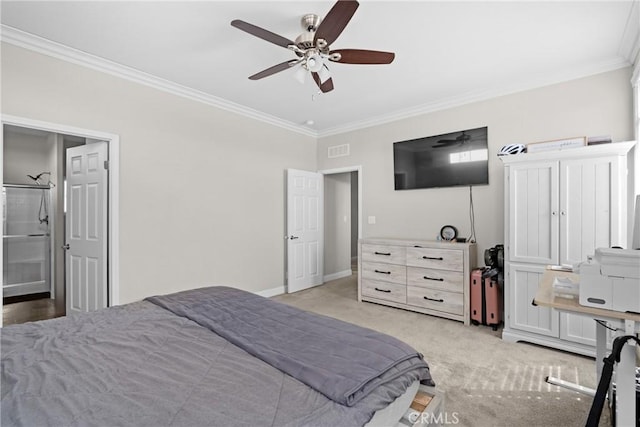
459,140
312,46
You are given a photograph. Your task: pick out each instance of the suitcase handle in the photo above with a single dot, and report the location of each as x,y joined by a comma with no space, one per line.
383,253
433,299
439,258
383,290
382,272
437,279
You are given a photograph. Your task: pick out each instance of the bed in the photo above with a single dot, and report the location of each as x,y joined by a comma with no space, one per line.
210,356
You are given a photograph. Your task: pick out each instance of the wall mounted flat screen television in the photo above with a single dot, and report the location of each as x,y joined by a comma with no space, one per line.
451,159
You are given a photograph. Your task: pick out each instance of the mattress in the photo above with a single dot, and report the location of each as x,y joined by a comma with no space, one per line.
390,415
140,364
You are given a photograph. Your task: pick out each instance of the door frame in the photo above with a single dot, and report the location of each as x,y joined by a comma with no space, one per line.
113,176
347,169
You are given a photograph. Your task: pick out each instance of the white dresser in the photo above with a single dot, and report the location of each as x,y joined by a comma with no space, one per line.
425,276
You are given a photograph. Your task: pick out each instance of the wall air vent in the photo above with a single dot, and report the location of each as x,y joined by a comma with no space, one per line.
338,151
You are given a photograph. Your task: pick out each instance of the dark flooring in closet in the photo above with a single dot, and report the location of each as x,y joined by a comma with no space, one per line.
39,307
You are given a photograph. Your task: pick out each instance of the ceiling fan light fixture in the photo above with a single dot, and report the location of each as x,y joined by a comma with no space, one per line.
301,74
324,74
315,62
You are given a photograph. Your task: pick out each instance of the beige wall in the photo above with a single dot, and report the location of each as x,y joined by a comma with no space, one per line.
596,105
202,189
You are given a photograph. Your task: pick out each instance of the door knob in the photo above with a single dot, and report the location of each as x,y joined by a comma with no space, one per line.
293,237
65,247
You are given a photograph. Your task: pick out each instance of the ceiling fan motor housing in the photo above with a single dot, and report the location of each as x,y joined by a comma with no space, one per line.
305,40
309,24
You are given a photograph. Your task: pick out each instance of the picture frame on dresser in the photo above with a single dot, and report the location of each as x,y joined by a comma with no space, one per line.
429,277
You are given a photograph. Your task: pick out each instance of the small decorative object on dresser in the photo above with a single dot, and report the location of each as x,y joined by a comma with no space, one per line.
448,232
424,276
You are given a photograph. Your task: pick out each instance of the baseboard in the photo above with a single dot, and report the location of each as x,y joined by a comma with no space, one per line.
511,335
338,275
279,290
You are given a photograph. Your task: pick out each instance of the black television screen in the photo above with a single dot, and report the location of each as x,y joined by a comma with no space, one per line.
452,159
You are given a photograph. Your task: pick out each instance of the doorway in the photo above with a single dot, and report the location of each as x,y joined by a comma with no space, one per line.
342,224
33,149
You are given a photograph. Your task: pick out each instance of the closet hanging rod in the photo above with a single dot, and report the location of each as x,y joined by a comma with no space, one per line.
37,187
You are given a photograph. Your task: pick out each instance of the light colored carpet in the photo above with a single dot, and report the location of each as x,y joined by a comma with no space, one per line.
487,381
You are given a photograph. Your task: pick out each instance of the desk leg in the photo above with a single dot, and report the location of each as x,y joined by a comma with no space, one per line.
571,386
601,347
626,381
601,353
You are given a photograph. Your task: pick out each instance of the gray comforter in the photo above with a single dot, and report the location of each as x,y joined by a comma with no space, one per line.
343,361
140,364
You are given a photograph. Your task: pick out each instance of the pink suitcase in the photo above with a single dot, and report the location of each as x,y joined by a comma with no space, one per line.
492,303
486,300
476,296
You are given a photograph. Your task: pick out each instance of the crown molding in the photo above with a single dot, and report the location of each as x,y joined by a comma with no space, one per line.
630,43
57,50
478,96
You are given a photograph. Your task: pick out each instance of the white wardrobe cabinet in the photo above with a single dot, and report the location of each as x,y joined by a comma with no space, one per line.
559,207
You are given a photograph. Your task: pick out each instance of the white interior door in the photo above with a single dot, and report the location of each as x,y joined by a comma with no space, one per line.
86,228
305,229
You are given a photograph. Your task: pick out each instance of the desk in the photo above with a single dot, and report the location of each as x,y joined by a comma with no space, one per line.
628,322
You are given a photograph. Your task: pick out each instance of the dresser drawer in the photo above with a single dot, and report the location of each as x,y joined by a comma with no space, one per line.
442,259
449,302
452,281
385,291
384,253
384,272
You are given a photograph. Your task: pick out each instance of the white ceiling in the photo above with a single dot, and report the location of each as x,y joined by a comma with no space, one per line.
447,52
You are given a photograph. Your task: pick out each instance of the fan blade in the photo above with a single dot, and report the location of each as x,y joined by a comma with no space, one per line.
261,33
445,143
335,21
358,56
272,70
325,87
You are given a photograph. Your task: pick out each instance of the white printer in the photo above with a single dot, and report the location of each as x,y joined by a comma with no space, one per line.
611,280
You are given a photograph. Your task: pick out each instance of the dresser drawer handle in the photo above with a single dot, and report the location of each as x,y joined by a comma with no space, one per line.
382,272
437,279
383,253
433,299
434,258
388,291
